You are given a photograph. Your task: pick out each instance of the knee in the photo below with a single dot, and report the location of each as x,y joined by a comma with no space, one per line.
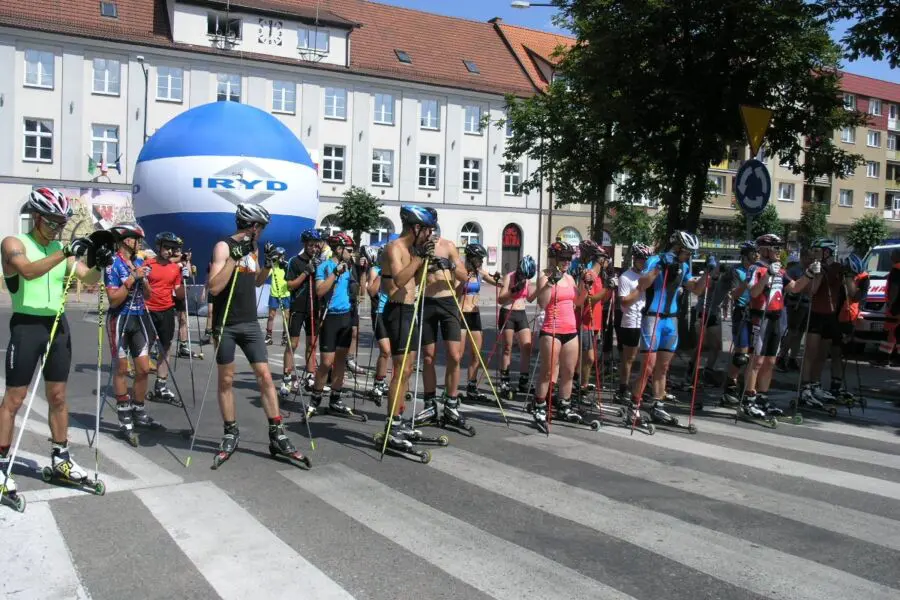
526,346
226,380
13,399
142,370
264,378
56,398
427,359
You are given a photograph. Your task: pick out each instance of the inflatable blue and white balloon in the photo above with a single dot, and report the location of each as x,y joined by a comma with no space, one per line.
198,167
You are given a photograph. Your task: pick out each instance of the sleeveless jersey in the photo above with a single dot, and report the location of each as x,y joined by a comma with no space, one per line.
43,295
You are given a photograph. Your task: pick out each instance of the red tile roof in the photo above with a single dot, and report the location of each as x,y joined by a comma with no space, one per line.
871,87
437,44
530,46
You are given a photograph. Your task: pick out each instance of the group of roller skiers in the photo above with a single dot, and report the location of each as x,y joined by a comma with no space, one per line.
420,288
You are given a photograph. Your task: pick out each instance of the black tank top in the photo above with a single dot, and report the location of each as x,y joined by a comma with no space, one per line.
243,300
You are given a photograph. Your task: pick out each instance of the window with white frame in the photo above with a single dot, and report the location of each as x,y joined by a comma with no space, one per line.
333,164
871,199
718,183
222,26
846,198
382,231
335,103
105,143
428,171
39,69
873,139
786,192
473,119
849,101
471,175
873,169
848,135
169,84
313,38
875,107
284,97
509,129
384,109
512,182
106,76
892,141
26,222
330,225
38,140
470,234
382,167
892,111
228,87
430,114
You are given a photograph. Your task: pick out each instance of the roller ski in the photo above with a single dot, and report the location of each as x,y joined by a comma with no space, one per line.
290,386
162,393
448,417
399,440
538,412
813,397
66,471
474,396
635,419
562,410
335,407
185,352
280,446
751,412
125,415
353,367
228,445
845,398
417,436
658,415
378,392
9,492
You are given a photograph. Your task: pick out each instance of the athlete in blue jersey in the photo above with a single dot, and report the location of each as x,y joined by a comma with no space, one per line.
664,277
378,300
741,325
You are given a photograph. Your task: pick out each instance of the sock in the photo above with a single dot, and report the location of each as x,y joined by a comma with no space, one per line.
4,451
231,427
274,423
122,398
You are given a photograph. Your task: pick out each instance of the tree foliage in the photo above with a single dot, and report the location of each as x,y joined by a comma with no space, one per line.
767,221
875,32
867,232
630,224
359,211
813,223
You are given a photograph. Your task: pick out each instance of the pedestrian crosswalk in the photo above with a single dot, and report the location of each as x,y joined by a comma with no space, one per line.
738,513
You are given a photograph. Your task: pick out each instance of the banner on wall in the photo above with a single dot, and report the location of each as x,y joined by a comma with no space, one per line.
96,208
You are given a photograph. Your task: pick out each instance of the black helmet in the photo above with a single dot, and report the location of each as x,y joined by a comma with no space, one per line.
475,251
169,239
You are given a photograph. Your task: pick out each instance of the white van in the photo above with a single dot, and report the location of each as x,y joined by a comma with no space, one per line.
878,265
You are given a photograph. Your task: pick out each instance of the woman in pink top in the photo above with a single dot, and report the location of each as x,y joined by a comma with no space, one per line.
558,345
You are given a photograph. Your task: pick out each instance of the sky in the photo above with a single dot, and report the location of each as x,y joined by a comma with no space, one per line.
540,18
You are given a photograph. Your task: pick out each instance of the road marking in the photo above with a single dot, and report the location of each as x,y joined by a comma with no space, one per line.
761,570
492,565
237,555
872,432
824,515
36,562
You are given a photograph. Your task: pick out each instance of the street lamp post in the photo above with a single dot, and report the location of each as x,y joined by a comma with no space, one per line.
140,60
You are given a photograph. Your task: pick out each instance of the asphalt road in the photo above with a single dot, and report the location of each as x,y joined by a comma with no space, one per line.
737,511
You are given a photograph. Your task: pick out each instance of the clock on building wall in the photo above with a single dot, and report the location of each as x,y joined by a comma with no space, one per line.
269,32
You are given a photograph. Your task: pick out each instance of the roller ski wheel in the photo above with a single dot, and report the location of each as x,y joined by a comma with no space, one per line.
131,437
464,428
767,422
296,457
424,456
416,436
15,500
220,459
96,487
792,419
172,401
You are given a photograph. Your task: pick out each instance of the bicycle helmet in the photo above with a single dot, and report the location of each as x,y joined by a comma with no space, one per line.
371,253
310,235
168,238
410,214
339,240
251,214
825,244
562,250
589,250
686,240
124,231
49,203
748,247
639,250
474,251
768,240
854,264
527,267
280,251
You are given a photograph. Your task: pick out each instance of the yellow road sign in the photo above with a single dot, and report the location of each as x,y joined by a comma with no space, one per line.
756,123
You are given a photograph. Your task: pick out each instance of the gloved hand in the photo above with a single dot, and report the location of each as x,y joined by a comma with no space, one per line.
271,254
100,257
814,269
185,272
340,269
310,268
588,278
77,247
614,282
283,263
240,250
497,276
426,250
666,259
555,276
140,272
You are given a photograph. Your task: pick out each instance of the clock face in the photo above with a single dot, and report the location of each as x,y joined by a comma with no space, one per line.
270,32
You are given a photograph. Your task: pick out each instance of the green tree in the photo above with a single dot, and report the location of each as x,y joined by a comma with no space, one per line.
359,211
875,32
666,79
630,224
813,223
867,232
767,221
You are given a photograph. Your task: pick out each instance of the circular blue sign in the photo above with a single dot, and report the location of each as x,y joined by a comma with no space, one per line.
753,187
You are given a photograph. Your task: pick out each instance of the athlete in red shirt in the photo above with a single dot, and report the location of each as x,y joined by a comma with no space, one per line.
592,296
166,285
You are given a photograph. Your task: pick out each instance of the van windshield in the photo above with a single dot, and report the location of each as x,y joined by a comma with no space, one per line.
878,262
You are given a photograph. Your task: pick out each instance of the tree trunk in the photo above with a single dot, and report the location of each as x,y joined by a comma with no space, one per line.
698,197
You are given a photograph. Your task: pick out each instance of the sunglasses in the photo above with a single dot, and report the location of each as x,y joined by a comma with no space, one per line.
54,225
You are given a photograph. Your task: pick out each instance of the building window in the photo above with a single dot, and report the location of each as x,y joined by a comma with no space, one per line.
217,25
26,223
384,109
786,192
335,103
382,233
106,76
333,164
470,234
471,67
105,143
471,175
473,120
871,199
228,87
39,140
849,101
512,182
875,107
874,139
109,9
848,135
284,97
873,169
892,141
330,225
718,184
846,198
382,167
39,69
169,84
313,39
509,129
428,171
430,117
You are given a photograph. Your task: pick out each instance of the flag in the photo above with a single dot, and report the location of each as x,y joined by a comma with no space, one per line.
103,168
119,164
92,166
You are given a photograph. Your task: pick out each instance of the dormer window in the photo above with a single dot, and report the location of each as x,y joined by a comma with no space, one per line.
403,56
313,39
219,25
471,67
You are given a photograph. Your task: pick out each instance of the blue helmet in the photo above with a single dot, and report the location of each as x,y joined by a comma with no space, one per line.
824,244
527,267
854,264
411,214
748,247
310,235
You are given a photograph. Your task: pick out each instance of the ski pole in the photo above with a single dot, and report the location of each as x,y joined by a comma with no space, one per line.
196,313
703,325
187,306
802,362
312,443
645,371
95,441
598,377
555,318
418,317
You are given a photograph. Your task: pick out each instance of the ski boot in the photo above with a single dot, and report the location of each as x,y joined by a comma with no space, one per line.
337,408
506,391
64,470
539,414
841,395
416,435
162,393
268,340
353,367
125,413
142,419
658,414
378,392
430,413
451,417
751,411
731,397
813,397
284,340
564,410
207,339
228,446
474,396
9,492
398,440
184,351
772,410
635,419
280,446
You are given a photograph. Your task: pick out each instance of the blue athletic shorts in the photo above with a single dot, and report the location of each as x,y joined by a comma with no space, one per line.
664,338
276,303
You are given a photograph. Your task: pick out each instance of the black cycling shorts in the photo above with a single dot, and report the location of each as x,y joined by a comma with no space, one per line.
378,326
28,337
337,332
164,321
515,320
246,336
298,321
132,333
398,319
473,320
767,334
630,336
825,325
441,314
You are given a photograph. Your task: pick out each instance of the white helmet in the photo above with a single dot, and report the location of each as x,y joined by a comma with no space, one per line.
250,213
372,253
688,241
50,203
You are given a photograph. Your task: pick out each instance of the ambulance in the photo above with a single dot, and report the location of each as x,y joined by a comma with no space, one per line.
878,265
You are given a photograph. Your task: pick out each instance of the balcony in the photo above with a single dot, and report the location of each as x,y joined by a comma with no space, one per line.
822,180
